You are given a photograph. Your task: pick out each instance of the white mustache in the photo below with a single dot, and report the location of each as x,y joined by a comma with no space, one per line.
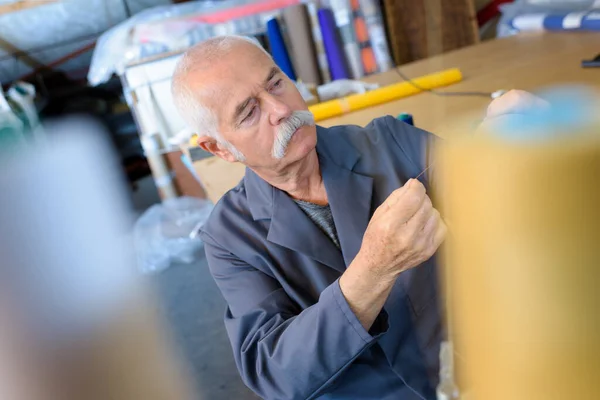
286,131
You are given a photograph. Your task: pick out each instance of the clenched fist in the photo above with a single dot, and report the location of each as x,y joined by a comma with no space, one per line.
404,232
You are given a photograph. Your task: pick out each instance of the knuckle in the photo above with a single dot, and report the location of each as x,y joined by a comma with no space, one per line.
430,252
430,248
425,250
430,226
421,244
428,199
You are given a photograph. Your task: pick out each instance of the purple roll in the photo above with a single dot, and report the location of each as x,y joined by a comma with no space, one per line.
338,65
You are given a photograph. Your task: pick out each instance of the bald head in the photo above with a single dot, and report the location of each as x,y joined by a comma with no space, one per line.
206,53
189,95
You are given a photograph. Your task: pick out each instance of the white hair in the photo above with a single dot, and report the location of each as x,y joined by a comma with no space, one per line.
197,115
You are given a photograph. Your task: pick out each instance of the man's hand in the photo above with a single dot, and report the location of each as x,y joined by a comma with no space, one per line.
512,102
404,232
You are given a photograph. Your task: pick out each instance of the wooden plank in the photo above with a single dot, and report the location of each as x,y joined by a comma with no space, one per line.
459,24
526,61
24,5
419,29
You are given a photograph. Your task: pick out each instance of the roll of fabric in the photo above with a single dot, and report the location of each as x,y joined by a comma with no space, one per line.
333,108
302,47
376,31
278,49
367,55
343,19
583,20
332,42
318,40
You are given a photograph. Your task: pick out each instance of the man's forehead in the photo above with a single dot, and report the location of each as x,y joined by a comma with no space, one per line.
211,85
226,83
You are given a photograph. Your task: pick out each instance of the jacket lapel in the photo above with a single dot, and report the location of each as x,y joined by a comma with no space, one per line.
289,226
293,229
349,196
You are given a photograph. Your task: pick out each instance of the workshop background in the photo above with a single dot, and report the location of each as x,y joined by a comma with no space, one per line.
111,60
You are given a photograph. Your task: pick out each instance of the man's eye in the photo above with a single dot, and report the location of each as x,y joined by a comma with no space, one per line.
250,114
278,84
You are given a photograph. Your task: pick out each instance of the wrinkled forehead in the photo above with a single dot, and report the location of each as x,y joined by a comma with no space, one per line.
226,83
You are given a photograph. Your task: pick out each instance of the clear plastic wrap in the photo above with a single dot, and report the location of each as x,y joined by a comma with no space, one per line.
168,232
51,31
523,7
176,27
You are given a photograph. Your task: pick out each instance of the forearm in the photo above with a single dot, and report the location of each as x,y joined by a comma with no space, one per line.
297,356
365,291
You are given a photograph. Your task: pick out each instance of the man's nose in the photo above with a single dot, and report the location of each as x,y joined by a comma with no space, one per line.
278,110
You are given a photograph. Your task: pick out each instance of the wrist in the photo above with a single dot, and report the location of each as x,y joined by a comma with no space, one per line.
367,266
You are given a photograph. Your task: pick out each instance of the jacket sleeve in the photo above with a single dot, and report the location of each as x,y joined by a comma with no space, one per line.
281,351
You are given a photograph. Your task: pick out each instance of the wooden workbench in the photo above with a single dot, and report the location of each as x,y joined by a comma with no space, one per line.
526,61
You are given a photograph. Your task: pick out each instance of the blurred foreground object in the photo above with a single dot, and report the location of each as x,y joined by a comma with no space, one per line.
19,120
75,322
168,232
523,207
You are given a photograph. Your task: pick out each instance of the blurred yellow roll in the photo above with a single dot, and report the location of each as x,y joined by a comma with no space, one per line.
333,108
523,263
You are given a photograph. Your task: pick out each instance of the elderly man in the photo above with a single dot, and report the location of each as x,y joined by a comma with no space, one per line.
325,250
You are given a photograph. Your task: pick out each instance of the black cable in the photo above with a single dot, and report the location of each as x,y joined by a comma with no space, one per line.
437,92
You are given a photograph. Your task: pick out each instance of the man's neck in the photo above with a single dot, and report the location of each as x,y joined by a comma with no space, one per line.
301,180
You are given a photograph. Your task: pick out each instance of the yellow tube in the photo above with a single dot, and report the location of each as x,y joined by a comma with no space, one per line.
523,264
333,108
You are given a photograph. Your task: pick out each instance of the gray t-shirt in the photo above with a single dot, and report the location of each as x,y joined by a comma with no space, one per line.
321,216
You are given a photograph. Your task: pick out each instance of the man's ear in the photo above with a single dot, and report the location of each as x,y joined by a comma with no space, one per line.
209,144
